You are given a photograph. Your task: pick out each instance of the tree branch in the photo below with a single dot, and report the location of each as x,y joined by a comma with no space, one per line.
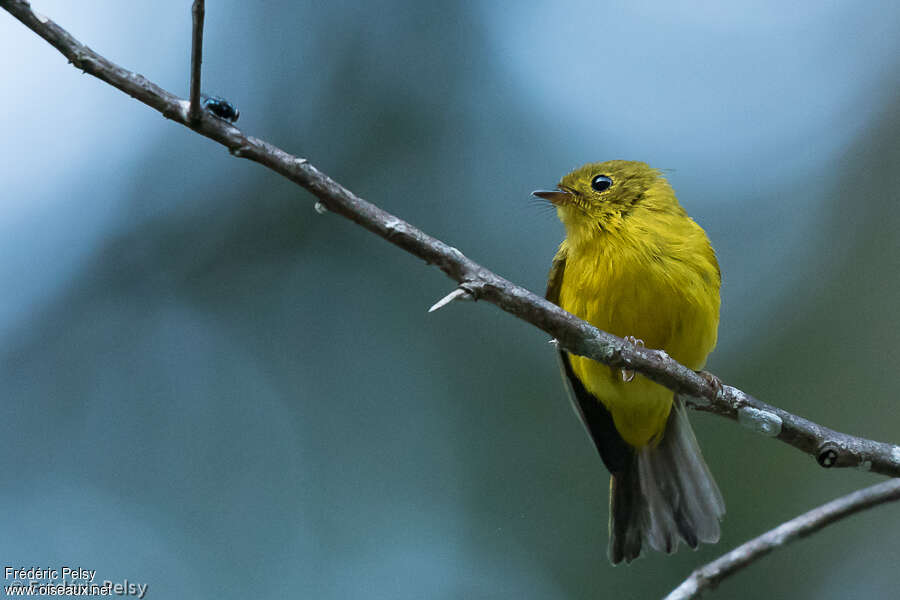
830,448
709,576
198,11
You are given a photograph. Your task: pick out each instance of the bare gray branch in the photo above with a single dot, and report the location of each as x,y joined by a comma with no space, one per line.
708,576
829,447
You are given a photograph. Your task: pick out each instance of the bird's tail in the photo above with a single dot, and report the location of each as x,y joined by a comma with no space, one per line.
665,494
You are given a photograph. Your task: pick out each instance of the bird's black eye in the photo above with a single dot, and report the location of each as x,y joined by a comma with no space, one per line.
601,183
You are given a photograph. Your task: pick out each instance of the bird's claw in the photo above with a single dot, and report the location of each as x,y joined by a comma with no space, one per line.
628,374
714,382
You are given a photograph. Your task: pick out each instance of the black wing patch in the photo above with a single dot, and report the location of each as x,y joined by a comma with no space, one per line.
614,451
616,454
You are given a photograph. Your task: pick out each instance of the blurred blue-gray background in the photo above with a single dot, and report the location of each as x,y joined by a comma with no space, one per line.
212,389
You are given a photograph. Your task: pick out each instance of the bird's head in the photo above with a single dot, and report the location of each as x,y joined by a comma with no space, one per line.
600,197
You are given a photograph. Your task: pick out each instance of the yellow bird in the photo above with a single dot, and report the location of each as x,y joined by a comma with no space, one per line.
636,265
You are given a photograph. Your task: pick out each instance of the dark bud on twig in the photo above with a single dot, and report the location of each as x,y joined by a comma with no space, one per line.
828,455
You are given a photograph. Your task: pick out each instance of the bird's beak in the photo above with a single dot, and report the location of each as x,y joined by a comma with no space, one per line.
554,196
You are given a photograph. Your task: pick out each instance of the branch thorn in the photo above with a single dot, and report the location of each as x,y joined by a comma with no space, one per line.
457,294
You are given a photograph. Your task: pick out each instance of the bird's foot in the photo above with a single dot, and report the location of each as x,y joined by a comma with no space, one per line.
714,382
628,374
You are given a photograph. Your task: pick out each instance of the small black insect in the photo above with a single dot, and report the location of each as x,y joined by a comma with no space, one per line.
221,107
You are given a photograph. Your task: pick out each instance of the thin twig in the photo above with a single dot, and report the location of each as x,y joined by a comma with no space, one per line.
709,576
198,11
830,448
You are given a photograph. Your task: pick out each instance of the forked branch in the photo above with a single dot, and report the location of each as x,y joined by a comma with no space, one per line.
829,447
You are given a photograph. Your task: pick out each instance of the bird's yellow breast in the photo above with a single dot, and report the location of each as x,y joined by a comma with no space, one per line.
657,280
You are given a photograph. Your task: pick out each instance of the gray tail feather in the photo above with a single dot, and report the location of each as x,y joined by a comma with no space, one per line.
664,495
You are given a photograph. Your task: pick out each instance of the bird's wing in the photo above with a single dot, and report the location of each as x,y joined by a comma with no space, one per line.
616,454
